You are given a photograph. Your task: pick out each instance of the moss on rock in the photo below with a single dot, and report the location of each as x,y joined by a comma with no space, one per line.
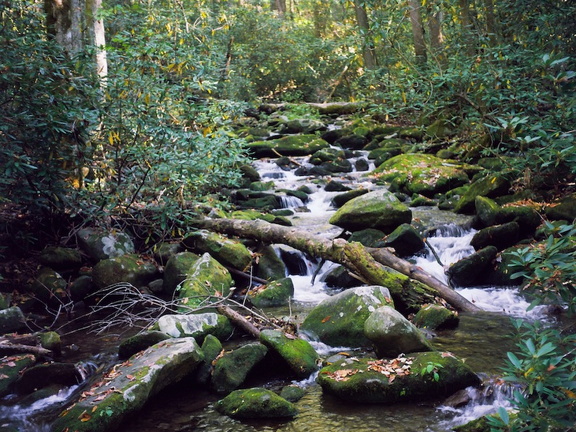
255,403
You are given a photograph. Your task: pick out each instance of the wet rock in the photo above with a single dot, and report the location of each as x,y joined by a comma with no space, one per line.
362,165
60,258
11,368
474,269
44,375
292,393
490,186
379,209
404,379
326,155
499,236
255,403
336,186
405,240
458,399
261,186
435,317
226,251
232,368
81,287
353,142
275,293
294,145
423,174
140,342
101,244
422,201
12,320
127,387
207,277
487,210
128,268
270,266
177,270
382,154
391,334
302,126
341,199
249,172
297,353
339,277
339,320
197,326
527,219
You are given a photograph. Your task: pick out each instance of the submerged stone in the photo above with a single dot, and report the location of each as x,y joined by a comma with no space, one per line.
255,403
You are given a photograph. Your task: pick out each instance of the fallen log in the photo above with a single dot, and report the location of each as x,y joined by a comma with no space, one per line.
10,349
368,264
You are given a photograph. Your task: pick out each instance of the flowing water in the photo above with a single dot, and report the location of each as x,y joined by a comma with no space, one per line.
480,339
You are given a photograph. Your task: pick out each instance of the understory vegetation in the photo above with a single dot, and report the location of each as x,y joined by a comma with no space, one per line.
153,143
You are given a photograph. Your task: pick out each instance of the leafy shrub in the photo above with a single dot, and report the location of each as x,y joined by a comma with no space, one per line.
544,368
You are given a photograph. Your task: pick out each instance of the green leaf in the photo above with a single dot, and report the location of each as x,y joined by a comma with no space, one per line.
504,415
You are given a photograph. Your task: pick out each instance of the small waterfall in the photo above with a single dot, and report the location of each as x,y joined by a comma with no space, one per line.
287,201
493,394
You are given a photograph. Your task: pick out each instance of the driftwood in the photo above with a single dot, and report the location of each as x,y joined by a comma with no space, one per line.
239,320
368,264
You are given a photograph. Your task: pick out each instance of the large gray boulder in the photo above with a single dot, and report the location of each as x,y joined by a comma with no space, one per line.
197,326
379,210
339,320
392,334
419,377
128,386
102,244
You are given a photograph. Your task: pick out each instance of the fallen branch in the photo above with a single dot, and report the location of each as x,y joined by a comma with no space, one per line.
10,349
368,264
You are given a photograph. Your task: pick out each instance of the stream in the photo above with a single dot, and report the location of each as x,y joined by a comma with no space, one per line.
482,340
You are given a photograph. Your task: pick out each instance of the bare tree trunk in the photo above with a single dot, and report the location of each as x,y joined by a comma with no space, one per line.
366,263
96,36
435,29
368,54
417,31
490,22
466,25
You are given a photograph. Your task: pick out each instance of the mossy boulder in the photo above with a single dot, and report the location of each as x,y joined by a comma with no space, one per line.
61,258
51,341
382,154
49,287
563,209
211,347
127,387
297,353
490,186
228,252
255,403
11,368
177,269
269,265
340,277
527,218
474,269
12,320
292,393
165,250
326,155
101,244
499,236
379,210
232,368
436,317
403,379
206,278
423,174
352,142
405,240
197,326
339,320
274,293
294,145
391,334
487,210
129,268
140,342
